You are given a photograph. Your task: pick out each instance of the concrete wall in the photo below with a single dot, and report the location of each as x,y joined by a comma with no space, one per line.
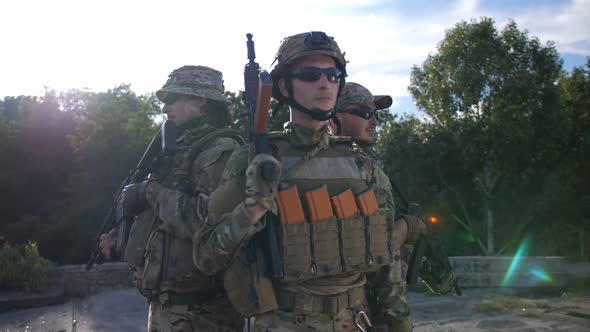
473,271
77,282
484,272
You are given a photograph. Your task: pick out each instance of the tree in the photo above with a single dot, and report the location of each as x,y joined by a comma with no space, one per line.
240,116
493,101
38,156
112,132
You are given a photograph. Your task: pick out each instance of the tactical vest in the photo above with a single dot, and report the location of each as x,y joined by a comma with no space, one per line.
162,262
335,231
318,235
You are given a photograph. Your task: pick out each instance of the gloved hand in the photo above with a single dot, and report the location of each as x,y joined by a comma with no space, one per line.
133,199
262,180
416,227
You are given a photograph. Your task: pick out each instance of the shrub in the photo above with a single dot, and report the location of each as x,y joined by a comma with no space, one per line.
23,268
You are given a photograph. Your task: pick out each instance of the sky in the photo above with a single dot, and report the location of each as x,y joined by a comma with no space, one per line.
97,45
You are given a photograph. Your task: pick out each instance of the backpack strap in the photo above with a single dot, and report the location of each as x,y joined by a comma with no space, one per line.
197,147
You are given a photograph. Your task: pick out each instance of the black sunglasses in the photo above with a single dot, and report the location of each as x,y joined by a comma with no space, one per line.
364,112
312,74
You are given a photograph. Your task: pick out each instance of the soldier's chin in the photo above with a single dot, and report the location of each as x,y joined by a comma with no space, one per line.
365,140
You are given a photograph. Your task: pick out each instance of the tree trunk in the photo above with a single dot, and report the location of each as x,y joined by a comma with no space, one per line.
490,222
581,238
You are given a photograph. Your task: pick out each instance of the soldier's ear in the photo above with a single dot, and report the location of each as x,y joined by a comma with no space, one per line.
334,126
283,87
201,102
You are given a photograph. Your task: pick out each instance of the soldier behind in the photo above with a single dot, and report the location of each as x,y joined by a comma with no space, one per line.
171,207
336,220
357,116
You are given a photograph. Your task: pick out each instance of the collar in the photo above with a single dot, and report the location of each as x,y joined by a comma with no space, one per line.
194,129
303,136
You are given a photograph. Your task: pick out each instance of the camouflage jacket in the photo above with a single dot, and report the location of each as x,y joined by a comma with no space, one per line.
181,198
160,241
228,230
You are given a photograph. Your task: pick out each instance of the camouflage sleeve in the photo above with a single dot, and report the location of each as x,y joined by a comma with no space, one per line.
383,189
227,228
386,288
183,214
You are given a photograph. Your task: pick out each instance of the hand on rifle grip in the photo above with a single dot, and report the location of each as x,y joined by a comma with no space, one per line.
268,171
262,180
133,199
107,243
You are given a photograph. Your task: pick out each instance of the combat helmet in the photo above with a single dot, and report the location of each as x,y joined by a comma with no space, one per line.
298,46
198,81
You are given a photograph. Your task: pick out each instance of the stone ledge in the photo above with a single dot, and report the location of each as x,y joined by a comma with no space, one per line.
489,271
77,282
13,300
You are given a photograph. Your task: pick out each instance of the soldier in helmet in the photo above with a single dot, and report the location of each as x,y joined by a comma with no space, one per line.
171,206
332,220
357,116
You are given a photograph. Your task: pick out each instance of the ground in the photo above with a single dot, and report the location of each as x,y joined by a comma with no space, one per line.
478,310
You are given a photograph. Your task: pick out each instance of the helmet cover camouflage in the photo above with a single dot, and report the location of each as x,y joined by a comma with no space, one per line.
309,43
199,81
302,45
354,93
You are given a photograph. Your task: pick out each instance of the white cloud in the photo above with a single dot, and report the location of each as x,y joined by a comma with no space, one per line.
72,44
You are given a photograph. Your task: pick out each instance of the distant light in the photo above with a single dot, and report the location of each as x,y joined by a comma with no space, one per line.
433,220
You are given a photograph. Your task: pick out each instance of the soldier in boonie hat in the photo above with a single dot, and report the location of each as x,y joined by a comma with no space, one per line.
192,91
198,81
170,207
357,113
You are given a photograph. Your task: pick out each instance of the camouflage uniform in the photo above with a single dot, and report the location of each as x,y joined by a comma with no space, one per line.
159,250
437,276
329,295
354,93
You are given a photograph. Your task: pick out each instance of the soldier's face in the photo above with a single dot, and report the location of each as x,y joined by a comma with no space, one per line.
181,109
361,130
319,94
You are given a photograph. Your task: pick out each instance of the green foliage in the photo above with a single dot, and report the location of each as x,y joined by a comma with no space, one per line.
113,129
495,128
23,268
69,153
240,116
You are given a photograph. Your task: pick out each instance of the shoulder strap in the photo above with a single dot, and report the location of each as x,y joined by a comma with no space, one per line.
197,147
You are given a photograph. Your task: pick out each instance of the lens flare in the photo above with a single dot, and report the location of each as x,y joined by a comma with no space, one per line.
540,274
522,250
433,219
470,238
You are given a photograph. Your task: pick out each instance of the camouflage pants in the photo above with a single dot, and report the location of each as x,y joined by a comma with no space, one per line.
282,321
216,316
399,308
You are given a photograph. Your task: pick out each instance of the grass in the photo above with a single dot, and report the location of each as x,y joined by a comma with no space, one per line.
525,307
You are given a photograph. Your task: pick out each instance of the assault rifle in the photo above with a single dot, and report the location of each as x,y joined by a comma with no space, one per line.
257,94
429,259
163,143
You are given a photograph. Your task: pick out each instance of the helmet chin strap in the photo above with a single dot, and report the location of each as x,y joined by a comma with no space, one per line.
314,113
